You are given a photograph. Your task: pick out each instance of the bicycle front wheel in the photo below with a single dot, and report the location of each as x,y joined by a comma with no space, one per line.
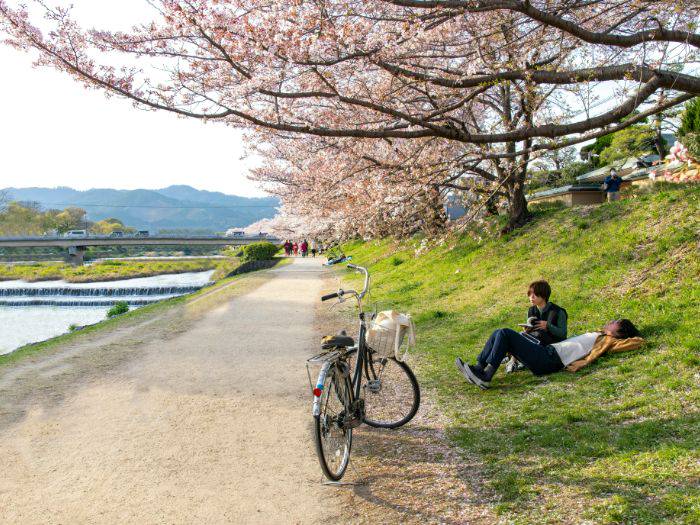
391,392
333,439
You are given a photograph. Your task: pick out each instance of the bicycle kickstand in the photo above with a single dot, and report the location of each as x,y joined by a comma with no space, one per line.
330,483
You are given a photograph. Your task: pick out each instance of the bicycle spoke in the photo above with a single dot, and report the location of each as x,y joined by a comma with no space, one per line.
391,393
332,438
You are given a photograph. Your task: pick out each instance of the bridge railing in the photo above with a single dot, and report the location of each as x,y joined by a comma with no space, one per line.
133,237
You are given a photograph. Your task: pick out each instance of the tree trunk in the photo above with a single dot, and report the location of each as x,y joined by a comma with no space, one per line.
434,217
660,145
491,206
518,214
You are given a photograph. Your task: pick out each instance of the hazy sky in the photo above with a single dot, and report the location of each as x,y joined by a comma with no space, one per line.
53,132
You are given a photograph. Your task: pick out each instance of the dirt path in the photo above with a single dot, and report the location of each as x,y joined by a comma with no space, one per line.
191,417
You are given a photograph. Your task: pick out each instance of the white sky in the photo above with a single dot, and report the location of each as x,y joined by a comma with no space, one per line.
53,132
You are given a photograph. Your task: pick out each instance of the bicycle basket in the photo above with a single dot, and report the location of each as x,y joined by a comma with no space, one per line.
381,339
387,332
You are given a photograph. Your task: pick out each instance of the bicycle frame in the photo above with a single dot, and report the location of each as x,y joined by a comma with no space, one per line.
335,356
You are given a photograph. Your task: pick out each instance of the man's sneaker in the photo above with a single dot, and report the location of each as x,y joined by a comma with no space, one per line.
471,374
476,377
514,366
462,367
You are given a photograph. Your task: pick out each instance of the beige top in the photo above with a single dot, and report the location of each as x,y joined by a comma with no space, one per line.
576,348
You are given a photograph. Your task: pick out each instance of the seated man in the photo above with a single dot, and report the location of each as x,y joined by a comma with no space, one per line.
573,353
548,319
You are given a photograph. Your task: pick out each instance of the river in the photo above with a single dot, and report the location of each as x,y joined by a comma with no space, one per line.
32,312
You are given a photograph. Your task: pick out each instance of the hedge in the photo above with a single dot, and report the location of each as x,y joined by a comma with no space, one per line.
259,251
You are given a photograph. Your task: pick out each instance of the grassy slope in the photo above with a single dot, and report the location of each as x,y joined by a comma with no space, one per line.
617,442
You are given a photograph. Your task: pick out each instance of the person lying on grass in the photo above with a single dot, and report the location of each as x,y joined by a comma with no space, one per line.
573,353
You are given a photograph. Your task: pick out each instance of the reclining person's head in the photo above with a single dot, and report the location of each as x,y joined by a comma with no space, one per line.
621,329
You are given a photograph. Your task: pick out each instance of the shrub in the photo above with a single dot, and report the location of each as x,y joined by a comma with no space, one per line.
689,130
573,170
120,308
692,142
690,119
630,142
259,251
544,207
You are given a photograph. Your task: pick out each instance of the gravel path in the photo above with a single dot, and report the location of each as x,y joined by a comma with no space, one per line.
200,415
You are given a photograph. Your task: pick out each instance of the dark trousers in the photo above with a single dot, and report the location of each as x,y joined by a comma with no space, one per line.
539,359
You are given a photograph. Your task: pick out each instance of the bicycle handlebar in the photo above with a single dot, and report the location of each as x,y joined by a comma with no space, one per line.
342,293
361,269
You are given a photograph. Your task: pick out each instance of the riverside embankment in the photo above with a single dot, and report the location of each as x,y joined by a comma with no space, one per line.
194,413
35,311
112,270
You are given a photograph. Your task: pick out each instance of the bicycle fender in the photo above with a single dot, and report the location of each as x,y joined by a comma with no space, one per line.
316,410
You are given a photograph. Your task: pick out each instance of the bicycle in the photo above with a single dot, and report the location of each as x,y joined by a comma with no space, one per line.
379,391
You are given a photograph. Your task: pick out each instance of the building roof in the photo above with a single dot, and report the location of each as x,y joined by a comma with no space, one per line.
597,175
637,175
623,168
561,190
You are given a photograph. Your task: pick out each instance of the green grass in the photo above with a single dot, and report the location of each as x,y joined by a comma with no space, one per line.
617,442
112,270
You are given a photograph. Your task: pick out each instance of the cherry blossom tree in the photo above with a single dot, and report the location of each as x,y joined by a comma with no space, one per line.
359,186
288,224
487,83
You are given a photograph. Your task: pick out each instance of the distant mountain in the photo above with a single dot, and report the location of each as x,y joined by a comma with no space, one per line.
168,208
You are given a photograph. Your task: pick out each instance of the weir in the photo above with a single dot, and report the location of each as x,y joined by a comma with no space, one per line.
96,292
133,301
35,311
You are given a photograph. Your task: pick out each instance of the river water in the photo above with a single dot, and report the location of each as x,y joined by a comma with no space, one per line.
32,312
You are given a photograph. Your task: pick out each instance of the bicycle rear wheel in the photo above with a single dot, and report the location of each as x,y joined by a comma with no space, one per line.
333,441
391,392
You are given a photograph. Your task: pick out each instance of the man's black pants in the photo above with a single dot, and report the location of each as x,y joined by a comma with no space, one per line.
539,359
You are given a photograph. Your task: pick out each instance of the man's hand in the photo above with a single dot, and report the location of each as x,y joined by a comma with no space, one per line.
540,325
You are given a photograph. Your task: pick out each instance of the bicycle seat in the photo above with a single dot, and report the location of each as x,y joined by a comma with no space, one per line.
335,341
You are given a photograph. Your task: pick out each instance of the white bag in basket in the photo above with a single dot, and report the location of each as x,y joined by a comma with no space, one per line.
387,332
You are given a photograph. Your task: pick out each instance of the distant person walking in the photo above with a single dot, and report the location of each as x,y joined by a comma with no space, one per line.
304,248
611,185
287,248
314,248
295,249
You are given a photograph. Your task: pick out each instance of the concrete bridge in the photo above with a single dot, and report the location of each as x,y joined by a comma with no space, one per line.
76,246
